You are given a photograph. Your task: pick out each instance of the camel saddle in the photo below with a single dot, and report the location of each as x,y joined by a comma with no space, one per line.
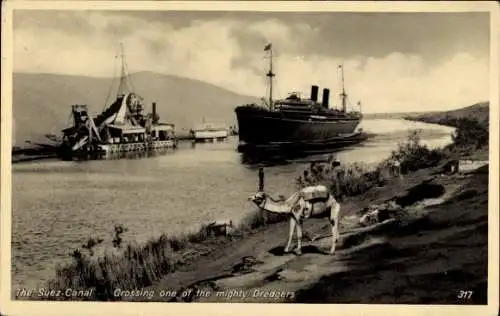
311,196
317,193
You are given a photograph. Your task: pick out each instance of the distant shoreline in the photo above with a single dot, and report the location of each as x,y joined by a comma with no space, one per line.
17,159
478,112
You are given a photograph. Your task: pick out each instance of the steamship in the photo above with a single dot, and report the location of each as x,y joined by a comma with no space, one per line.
296,120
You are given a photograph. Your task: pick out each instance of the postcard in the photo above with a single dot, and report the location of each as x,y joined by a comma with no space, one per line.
284,157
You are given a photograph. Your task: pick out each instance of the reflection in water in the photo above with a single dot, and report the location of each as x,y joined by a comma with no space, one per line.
124,155
279,154
382,136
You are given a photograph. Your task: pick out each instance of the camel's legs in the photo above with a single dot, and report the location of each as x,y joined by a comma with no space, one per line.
334,222
334,227
299,237
290,234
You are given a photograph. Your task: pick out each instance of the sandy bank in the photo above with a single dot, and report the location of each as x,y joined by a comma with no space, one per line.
433,253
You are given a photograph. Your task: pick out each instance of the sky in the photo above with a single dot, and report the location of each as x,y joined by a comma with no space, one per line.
393,62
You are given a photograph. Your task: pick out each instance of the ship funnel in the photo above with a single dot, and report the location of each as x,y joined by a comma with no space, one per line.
154,112
326,97
314,93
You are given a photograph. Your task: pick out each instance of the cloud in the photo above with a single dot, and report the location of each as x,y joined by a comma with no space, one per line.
229,52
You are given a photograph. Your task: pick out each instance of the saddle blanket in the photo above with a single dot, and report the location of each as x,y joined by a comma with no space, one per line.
314,199
315,193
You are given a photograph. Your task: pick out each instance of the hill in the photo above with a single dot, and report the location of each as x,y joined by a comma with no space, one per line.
41,102
389,116
479,112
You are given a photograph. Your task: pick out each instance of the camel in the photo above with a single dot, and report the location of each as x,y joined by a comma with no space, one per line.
310,202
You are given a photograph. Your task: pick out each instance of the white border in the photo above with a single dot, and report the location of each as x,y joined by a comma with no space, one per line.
9,307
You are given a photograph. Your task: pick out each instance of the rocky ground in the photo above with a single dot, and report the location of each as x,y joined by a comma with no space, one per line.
435,253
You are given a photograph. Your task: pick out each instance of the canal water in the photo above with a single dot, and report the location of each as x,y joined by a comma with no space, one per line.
58,205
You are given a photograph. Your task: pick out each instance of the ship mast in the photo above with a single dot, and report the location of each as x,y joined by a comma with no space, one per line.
270,74
123,76
343,94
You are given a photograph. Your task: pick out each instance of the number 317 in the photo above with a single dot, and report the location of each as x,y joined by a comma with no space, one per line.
464,294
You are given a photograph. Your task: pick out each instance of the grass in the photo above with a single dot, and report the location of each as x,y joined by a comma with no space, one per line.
354,179
134,266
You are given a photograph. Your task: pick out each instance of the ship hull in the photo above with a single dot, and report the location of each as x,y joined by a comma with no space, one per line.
266,127
113,151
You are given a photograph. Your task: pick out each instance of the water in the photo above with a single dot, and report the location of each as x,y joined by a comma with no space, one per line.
57,205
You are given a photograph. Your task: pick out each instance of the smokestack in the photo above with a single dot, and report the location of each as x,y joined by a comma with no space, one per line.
154,112
314,93
326,97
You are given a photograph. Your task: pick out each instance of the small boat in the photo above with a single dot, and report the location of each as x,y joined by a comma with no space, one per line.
209,132
122,128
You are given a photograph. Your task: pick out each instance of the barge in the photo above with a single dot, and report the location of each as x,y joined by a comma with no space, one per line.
120,129
209,132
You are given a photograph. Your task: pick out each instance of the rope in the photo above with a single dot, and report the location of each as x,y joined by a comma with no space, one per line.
68,120
131,87
278,92
277,87
111,86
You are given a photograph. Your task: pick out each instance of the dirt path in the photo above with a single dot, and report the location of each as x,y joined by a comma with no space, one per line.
427,258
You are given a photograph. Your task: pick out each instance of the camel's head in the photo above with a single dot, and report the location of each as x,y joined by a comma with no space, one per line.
258,198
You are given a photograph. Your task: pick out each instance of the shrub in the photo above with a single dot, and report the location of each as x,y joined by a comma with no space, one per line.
133,266
117,240
259,219
413,155
344,180
470,134
125,266
358,178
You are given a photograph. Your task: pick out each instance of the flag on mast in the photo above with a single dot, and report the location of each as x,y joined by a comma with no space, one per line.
267,47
